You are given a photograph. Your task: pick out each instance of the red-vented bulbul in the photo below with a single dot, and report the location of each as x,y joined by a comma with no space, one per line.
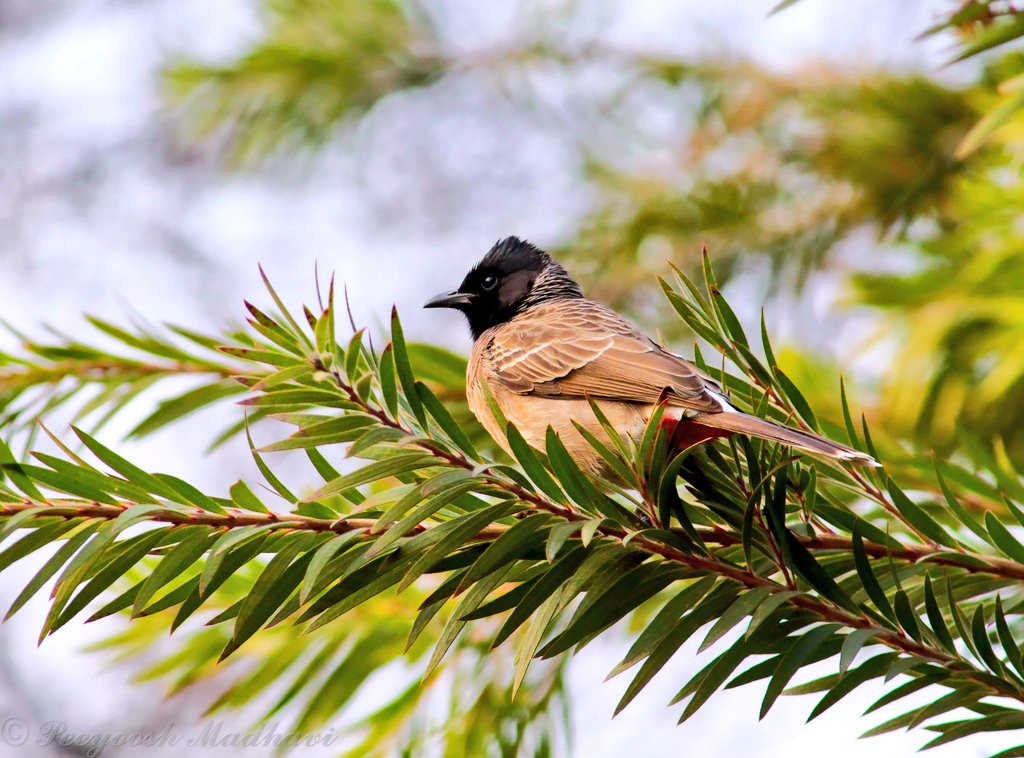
544,351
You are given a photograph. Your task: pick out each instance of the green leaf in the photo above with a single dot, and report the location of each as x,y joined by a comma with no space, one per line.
767,608
532,466
665,620
727,317
1010,647
128,470
456,622
548,583
128,553
453,534
521,538
779,7
917,517
743,607
58,559
851,430
622,595
812,572
906,614
796,398
170,410
935,617
275,583
311,584
388,388
711,606
557,538
852,644
404,369
1002,114
445,421
536,627
793,660
228,542
194,542
870,669
399,464
297,331
712,677
12,469
982,644
246,499
1003,539
867,577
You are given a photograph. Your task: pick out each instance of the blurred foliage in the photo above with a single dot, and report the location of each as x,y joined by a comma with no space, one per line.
321,62
311,682
776,172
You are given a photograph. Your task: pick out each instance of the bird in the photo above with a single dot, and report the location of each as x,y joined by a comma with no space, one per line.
542,352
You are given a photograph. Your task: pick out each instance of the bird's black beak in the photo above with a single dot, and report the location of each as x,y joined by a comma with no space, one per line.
450,300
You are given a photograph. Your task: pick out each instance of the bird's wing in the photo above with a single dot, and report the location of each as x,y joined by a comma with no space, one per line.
579,348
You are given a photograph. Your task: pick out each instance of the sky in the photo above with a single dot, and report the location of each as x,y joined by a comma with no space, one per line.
104,209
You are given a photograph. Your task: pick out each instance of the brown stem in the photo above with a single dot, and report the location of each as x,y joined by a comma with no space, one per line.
99,369
911,553
233,519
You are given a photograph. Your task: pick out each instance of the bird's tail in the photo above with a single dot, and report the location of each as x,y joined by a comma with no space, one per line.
769,430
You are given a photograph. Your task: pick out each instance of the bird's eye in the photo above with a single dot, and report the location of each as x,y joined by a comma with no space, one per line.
489,282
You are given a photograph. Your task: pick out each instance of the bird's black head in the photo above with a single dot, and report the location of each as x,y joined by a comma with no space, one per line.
513,276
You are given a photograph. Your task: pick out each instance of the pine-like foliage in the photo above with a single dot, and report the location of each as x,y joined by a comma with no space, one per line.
419,537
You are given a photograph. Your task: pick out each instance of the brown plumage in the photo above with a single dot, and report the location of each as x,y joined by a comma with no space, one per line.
543,351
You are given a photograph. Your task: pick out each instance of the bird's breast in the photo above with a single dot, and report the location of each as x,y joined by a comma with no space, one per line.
532,415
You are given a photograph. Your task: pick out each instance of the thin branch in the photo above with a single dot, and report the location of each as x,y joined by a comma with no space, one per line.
100,369
233,519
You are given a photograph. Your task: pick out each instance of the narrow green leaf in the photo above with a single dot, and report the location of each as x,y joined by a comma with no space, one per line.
870,669
867,577
321,557
792,660
128,470
10,467
404,369
744,606
275,583
852,644
399,464
457,621
1003,539
246,499
445,421
710,607
532,466
557,538
917,517
536,627
194,542
388,387
297,331
58,559
541,590
522,537
906,615
796,398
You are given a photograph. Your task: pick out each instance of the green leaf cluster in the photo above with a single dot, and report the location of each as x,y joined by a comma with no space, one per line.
408,535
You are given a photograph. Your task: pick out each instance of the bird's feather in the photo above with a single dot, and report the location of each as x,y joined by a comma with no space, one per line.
579,348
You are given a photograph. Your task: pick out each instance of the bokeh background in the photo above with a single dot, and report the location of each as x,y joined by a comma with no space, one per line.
152,152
